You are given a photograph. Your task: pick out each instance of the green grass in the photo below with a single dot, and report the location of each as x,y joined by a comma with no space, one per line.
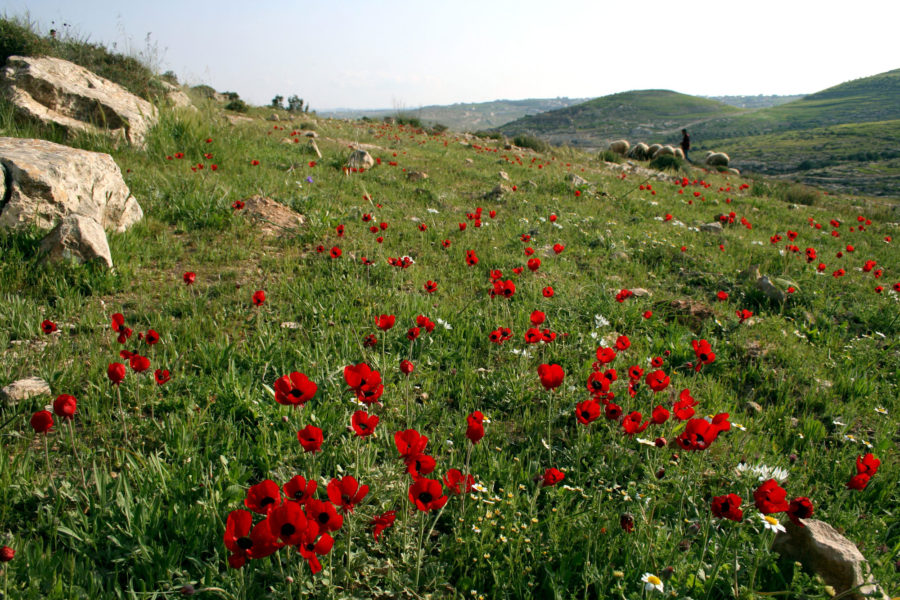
151,516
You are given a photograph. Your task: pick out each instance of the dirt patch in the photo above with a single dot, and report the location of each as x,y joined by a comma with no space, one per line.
691,312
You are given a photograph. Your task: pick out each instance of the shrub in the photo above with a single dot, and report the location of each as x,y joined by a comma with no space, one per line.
406,119
205,91
667,163
610,156
493,135
437,128
529,141
237,105
797,193
17,39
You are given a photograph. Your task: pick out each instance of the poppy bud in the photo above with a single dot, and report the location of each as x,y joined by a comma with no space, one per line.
626,522
661,473
684,545
187,590
667,573
7,554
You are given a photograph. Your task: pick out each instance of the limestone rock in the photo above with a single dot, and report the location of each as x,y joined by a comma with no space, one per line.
821,549
469,161
573,179
641,292
718,159
52,90
273,117
23,389
177,97
311,134
416,175
360,159
47,182
274,218
77,238
503,174
768,288
714,227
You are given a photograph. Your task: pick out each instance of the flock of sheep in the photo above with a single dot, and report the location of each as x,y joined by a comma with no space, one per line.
642,151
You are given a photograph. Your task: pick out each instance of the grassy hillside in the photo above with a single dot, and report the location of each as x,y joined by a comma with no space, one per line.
472,116
639,115
759,101
611,435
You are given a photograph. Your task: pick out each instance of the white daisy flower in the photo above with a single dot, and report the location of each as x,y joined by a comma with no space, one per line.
771,523
652,582
881,410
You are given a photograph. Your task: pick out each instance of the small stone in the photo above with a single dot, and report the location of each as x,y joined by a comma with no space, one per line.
416,175
504,176
290,325
641,292
23,389
620,256
498,192
714,227
469,161
360,159
769,289
575,180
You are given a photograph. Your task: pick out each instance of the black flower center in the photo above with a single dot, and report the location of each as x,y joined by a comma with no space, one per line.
244,543
288,529
323,518
426,497
267,501
296,393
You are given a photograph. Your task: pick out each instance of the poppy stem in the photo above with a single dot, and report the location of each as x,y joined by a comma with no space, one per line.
122,413
75,452
419,556
465,476
549,419
349,550
719,555
47,456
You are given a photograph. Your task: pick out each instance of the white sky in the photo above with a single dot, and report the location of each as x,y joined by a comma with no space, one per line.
395,53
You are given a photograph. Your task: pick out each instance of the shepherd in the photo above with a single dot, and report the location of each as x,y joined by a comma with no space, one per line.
685,144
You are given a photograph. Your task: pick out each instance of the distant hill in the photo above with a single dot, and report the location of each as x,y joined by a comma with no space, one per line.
846,137
759,101
470,116
637,115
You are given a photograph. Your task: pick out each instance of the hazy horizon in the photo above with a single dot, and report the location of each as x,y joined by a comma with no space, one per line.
407,55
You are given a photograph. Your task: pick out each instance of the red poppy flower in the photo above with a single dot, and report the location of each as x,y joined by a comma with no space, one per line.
48,326
659,416
151,337
346,493
770,497
537,317
139,363
622,343
598,383
551,477
445,243
657,380
363,423
462,226
382,522
295,389
263,497
419,465
635,372
475,427
547,292
116,372
254,162
244,543
632,423
684,406
867,464
410,443
427,495
310,438
64,406
529,251
324,514
722,296
385,322
703,352
534,264
743,314
606,355
698,434
406,367
728,507
858,482
287,522
339,230
558,248
42,421
551,376
299,489
161,376
799,508
259,297
587,411
430,286
457,483
6,554
492,214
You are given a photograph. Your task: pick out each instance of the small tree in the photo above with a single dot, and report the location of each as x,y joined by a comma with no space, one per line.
295,104
277,102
